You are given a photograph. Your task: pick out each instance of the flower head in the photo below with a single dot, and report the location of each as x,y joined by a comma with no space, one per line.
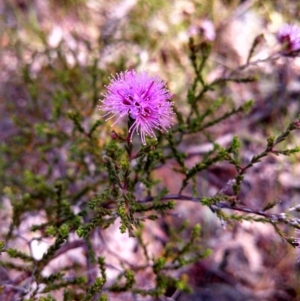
143,98
289,36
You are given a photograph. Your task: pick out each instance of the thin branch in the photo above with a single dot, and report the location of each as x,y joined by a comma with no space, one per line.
218,205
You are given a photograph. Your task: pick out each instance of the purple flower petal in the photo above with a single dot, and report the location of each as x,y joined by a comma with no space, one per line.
289,36
144,98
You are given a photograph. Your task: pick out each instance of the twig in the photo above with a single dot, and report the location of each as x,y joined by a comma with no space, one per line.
218,205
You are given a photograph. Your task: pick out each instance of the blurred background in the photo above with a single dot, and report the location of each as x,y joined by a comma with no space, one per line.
56,57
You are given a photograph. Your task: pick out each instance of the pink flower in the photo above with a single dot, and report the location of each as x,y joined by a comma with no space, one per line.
142,97
289,36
